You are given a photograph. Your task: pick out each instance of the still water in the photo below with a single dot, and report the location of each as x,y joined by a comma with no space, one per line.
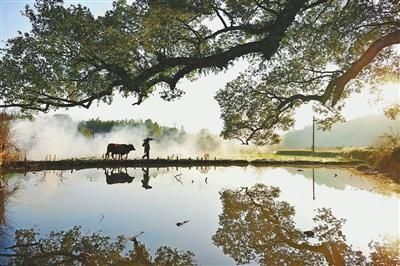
149,203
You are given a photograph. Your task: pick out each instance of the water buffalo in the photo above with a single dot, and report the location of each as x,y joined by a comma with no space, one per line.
119,149
119,177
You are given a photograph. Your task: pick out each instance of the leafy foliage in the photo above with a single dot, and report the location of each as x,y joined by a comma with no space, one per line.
256,226
388,141
336,45
152,128
386,253
249,115
299,51
393,112
71,247
386,157
8,149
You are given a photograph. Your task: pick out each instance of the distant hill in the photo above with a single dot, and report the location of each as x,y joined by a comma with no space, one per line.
360,132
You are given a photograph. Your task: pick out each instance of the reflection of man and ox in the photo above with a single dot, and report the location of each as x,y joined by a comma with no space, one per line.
124,149
119,176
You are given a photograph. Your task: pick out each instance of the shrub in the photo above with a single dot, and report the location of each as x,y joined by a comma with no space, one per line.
8,149
387,155
358,154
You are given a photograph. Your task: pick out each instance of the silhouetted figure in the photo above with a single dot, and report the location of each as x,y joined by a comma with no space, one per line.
119,177
146,179
119,149
146,145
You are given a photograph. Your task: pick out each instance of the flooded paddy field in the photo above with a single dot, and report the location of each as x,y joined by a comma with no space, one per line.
222,215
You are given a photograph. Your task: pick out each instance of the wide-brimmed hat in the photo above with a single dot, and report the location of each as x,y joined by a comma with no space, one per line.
147,139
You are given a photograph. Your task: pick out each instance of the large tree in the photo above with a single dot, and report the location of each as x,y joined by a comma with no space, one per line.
336,49
300,50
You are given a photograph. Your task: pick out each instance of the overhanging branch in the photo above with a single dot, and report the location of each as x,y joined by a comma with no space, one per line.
364,60
337,85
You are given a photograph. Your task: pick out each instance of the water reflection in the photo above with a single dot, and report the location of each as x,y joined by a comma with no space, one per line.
73,247
48,201
146,179
120,176
117,176
341,179
255,226
2,202
7,190
2,210
313,184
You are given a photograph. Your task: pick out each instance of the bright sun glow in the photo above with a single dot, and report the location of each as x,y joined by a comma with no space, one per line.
357,105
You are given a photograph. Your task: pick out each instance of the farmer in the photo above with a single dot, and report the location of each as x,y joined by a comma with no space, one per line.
146,145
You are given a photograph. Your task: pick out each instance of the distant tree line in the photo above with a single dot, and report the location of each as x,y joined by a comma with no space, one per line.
97,125
204,140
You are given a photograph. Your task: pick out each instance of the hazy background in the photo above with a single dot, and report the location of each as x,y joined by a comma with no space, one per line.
59,135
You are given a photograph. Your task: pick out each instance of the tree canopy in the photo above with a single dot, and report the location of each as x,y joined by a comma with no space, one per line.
299,50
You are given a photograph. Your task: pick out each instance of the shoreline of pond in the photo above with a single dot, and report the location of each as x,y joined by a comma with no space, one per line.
79,164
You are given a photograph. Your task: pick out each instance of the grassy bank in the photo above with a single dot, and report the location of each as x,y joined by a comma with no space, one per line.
382,161
309,153
300,154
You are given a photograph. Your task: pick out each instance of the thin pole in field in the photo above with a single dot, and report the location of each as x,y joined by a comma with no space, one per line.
313,135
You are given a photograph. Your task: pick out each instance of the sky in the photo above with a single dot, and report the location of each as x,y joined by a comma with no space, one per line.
197,108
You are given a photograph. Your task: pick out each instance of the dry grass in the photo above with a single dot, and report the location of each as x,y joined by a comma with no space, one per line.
8,149
384,156
387,155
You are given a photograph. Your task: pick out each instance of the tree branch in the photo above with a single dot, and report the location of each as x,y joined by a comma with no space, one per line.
336,86
266,46
364,60
220,18
269,10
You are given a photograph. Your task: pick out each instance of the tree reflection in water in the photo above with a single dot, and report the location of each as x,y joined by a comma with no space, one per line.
7,190
74,248
256,226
